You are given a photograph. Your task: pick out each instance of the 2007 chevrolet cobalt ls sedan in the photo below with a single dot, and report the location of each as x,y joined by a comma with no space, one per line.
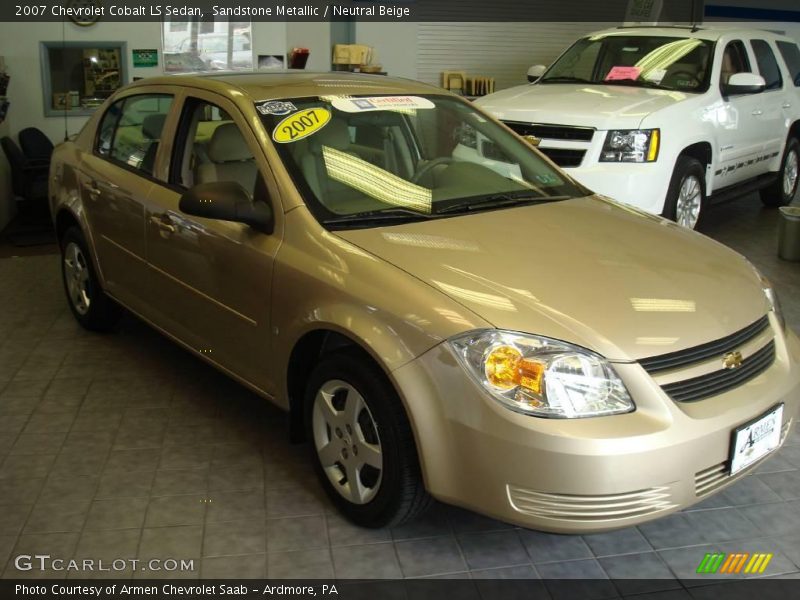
442,310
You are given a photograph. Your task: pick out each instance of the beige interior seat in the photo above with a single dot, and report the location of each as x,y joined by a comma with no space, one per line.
230,159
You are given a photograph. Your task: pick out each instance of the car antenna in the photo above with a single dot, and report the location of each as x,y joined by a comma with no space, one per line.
694,16
64,82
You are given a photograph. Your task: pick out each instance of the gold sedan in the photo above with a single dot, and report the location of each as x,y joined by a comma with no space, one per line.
442,310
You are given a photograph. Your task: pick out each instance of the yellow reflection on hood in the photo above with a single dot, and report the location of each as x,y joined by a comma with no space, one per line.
492,300
656,341
662,305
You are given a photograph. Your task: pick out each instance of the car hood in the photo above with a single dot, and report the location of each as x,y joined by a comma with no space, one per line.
598,106
588,271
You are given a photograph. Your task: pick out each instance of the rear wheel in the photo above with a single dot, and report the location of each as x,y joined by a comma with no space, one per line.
362,444
686,195
782,191
87,301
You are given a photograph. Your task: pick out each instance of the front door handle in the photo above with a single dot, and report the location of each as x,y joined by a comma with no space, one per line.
163,223
758,112
787,105
92,189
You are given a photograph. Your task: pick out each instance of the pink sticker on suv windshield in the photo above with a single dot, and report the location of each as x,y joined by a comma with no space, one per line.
619,73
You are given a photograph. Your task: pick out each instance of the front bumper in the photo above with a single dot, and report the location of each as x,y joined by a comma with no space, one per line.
583,475
641,185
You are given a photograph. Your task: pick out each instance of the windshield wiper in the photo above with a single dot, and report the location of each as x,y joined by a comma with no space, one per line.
565,79
638,83
498,201
377,216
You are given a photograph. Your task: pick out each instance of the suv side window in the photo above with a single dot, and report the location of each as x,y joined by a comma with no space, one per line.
130,131
734,60
791,55
767,65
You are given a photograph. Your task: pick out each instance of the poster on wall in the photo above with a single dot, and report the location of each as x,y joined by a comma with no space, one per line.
143,58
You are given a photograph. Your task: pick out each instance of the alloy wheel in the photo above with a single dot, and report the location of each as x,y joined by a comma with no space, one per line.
790,174
76,276
690,200
346,440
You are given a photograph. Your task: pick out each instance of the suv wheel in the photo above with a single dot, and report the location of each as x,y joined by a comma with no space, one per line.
783,190
89,304
363,448
686,195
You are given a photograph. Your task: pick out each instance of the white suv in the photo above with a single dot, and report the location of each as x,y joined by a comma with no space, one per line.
664,118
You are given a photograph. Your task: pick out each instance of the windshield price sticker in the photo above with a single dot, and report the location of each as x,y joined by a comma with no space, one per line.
300,125
622,73
355,105
276,107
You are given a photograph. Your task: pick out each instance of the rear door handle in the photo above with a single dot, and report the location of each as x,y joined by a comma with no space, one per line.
758,112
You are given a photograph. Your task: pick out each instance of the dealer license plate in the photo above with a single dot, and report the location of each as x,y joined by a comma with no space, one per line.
756,439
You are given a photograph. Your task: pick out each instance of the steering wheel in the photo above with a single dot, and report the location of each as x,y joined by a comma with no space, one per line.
678,74
442,160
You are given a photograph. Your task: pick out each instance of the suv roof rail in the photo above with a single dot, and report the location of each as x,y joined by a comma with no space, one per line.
665,26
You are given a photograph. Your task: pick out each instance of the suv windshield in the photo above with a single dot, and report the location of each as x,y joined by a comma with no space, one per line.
359,161
669,63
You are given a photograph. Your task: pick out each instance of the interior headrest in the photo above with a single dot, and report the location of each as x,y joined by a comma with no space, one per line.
334,135
152,125
227,145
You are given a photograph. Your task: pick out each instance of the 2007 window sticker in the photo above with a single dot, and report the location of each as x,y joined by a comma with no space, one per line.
300,125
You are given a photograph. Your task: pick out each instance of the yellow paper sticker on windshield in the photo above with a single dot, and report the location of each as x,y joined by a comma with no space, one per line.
301,124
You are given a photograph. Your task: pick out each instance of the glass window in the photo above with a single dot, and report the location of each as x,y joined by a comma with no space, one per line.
131,129
734,60
767,65
791,55
635,60
358,159
216,149
209,45
79,76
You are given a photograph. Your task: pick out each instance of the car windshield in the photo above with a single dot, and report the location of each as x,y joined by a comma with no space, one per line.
361,160
670,63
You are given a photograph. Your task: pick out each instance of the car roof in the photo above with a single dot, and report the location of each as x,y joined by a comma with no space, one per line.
293,84
688,31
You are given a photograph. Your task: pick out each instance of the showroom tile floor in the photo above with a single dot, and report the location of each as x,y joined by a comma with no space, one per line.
122,446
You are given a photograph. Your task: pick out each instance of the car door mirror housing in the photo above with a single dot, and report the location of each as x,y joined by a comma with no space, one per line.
227,201
744,83
535,72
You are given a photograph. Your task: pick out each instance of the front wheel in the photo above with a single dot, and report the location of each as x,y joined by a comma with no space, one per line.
362,444
686,195
783,190
87,301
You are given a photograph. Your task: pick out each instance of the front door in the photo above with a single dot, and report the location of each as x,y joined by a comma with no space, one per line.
211,279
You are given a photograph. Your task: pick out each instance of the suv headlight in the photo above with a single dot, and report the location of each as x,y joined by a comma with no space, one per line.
631,145
540,376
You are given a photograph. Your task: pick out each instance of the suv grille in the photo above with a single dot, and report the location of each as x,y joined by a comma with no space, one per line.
718,382
673,360
564,157
553,132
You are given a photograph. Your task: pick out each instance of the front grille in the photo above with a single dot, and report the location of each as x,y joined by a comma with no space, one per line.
564,157
571,507
553,132
713,384
717,348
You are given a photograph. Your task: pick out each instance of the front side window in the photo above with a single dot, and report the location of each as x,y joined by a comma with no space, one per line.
130,131
734,60
767,65
635,60
361,159
791,55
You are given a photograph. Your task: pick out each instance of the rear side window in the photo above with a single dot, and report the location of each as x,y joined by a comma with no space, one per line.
767,65
130,131
791,55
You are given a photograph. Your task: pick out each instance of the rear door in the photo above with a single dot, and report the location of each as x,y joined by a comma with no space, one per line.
211,280
770,113
115,179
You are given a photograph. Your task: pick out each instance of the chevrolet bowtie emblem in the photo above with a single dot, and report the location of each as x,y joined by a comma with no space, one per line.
533,140
732,360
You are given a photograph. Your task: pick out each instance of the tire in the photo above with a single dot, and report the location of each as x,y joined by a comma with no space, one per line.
356,424
89,304
686,201
782,191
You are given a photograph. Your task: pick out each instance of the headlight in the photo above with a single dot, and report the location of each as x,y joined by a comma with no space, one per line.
540,376
631,145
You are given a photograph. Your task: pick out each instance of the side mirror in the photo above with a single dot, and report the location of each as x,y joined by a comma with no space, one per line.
227,201
535,72
744,83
